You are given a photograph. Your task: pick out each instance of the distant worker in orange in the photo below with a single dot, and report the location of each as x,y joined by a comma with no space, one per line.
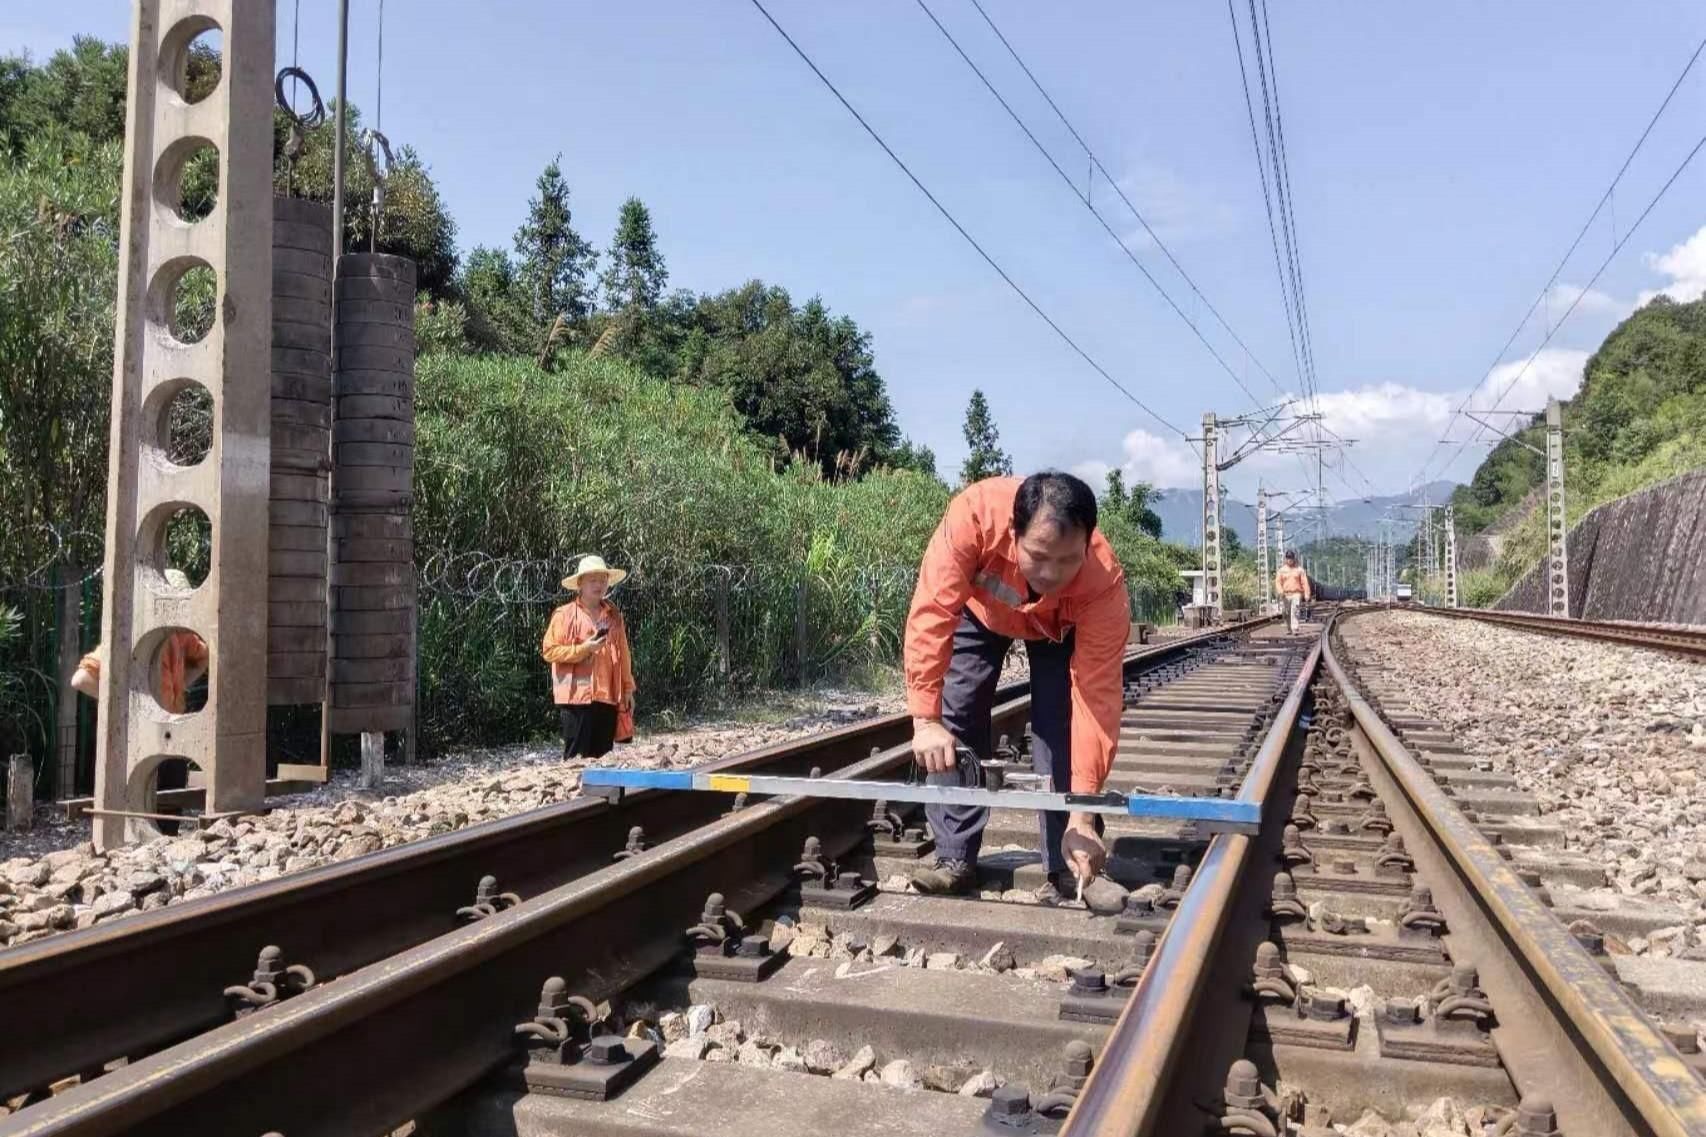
592,670
1292,583
1020,560
181,660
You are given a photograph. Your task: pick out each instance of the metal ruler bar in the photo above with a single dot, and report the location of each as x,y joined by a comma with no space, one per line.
1211,815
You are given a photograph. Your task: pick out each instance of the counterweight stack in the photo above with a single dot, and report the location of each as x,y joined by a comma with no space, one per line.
301,451
373,570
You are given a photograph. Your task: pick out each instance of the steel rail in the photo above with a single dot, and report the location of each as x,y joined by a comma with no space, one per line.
1124,1095
1642,1080
391,1041
1661,637
125,988
186,1086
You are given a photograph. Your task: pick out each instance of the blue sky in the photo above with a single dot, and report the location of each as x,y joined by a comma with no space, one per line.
1441,159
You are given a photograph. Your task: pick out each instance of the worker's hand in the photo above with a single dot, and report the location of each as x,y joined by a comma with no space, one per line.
628,702
83,682
1082,849
932,745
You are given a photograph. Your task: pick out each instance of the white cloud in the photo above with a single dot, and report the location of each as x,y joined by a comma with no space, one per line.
1587,301
1145,457
1555,372
1371,412
1685,264
1176,210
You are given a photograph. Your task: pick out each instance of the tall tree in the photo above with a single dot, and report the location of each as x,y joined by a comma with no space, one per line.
986,458
634,274
556,261
83,89
910,455
800,377
634,279
1114,496
413,222
58,282
1139,510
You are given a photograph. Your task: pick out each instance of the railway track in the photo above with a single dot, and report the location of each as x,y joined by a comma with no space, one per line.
1680,639
1281,983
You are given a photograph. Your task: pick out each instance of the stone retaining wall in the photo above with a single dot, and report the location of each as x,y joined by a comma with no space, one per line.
1641,557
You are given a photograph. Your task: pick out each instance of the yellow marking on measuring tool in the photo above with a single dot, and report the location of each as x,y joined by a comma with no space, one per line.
732,783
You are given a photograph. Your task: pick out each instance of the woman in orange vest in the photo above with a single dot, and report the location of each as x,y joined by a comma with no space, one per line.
592,670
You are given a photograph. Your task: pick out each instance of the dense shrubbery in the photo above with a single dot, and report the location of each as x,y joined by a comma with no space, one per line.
530,468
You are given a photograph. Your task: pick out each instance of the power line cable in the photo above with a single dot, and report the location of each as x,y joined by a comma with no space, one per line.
1084,199
1604,199
1283,182
1267,200
1664,189
1098,167
960,229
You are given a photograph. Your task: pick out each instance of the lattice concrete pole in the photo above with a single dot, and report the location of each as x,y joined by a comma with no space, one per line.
141,611
1450,557
1557,554
1264,577
1210,520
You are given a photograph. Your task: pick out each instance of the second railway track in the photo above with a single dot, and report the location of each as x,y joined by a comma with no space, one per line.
1372,949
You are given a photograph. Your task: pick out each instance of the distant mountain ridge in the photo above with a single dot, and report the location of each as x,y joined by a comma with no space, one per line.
1181,515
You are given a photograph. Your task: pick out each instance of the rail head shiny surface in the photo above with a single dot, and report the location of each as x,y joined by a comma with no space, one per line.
1124,1093
1624,1043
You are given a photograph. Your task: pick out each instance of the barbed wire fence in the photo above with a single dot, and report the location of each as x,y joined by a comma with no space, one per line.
701,636
50,599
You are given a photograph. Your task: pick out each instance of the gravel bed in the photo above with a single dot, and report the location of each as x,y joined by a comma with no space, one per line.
1610,739
52,880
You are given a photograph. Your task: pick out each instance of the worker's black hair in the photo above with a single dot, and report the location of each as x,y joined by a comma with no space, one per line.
1291,553
1066,499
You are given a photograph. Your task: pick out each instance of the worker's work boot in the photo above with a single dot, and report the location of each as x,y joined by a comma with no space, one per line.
943,877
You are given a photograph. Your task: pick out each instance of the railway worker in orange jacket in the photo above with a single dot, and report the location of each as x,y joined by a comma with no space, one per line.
1020,560
592,670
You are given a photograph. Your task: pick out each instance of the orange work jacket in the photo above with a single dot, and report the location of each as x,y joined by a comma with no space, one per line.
581,673
1289,581
971,564
181,652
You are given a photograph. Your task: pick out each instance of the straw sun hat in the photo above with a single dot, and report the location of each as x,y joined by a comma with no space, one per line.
590,565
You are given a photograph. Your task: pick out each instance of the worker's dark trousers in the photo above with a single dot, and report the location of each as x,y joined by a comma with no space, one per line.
968,697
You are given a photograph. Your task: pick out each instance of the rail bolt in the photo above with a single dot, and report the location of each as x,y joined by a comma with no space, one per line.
1292,849
1323,1007
1536,1118
607,1050
1009,1102
1089,981
1076,1059
1681,1036
636,844
1244,1086
1588,936
1269,963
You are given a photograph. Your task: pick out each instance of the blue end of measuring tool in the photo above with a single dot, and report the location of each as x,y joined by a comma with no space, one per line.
1243,813
638,779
